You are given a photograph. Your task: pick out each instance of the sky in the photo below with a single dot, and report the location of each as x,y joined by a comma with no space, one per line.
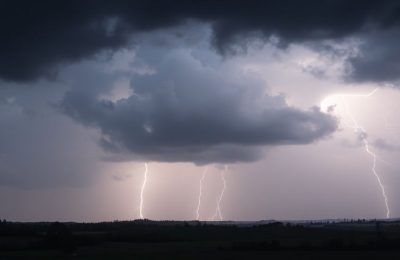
239,110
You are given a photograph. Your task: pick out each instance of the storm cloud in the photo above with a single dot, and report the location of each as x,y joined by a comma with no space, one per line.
186,111
39,37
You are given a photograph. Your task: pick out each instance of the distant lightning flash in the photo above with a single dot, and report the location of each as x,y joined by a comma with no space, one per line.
328,106
366,145
364,137
200,192
142,191
218,212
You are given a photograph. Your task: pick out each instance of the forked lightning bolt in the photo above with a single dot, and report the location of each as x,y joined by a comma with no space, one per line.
200,193
327,106
364,138
142,191
218,212
366,145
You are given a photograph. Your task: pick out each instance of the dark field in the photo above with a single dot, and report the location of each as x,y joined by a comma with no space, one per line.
199,240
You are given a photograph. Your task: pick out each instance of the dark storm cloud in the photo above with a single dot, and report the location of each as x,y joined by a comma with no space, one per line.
378,59
40,36
189,112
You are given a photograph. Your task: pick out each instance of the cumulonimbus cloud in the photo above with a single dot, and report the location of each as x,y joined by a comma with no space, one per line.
186,111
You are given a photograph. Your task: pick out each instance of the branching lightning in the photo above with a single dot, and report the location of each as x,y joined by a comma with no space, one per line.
218,212
327,106
200,192
142,191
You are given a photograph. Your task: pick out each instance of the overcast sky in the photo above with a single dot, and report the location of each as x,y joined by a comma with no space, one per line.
294,103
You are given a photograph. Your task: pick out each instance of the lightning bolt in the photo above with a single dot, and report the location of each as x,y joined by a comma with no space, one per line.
142,191
364,138
218,212
200,192
360,131
378,178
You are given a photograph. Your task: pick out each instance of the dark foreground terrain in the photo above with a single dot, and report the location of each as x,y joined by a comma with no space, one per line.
144,239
